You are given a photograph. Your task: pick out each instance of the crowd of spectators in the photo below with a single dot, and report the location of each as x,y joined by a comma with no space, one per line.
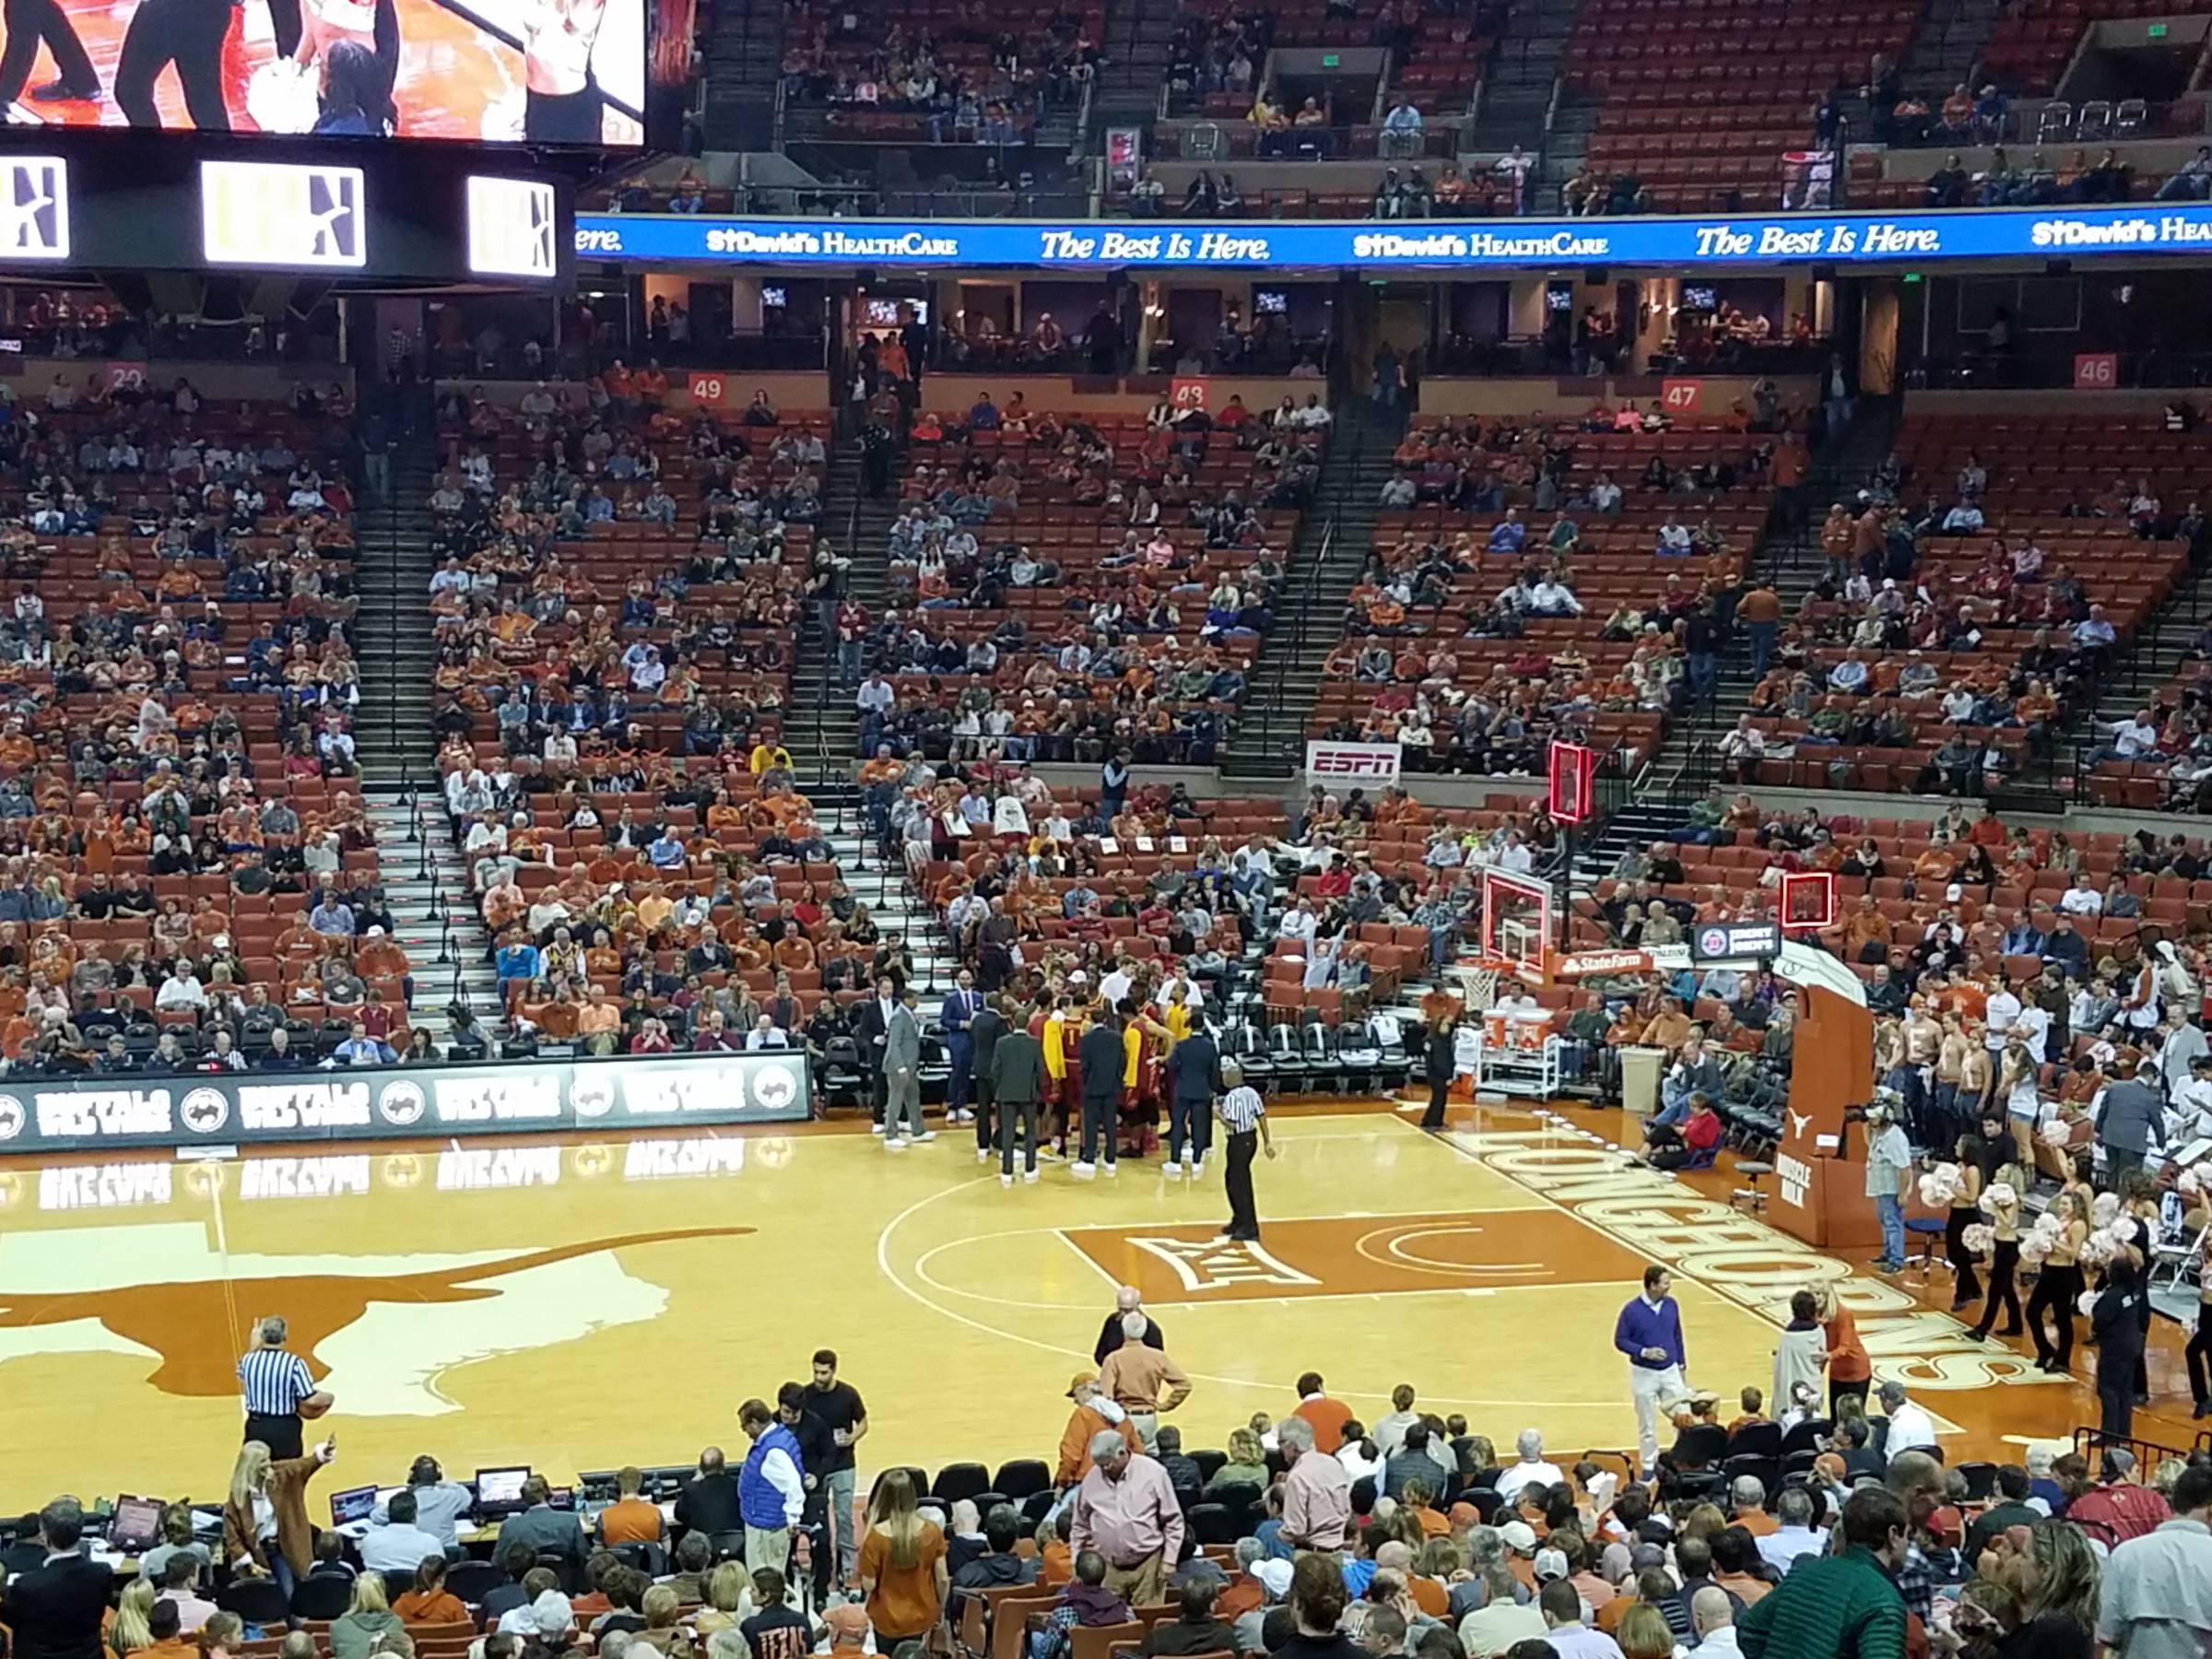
1491,643
610,677
174,760
1062,588
959,73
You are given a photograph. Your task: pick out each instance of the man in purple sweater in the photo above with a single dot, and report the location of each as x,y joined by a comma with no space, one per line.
1649,1332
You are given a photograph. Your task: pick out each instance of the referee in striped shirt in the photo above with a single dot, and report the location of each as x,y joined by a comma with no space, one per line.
274,1384
1244,1115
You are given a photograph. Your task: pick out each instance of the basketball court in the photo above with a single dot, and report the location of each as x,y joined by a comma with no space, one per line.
458,1298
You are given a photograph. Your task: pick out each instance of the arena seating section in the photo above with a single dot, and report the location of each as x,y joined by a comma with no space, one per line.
1075,538
2032,39
670,760
1615,567
2038,468
277,716
813,36
1703,97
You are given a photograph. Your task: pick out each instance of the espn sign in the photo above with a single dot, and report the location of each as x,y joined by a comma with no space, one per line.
1353,763
34,207
276,213
511,226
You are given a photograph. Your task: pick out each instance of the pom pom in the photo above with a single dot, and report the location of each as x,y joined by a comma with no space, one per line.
1997,1194
2035,1248
2097,1248
1939,1186
2102,1208
2056,1132
2191,1182
281,98
2088,1304
1978,1237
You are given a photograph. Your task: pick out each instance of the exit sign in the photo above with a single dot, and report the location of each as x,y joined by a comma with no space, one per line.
2158,31
1330,60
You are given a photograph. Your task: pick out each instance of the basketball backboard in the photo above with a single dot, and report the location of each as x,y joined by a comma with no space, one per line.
1516,923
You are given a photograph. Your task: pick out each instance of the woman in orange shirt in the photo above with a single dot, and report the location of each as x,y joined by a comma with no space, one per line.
429,1601
1850,1371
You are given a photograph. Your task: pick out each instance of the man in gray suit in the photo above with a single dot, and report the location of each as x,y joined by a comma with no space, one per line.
2131,1121
543,1528
903,1075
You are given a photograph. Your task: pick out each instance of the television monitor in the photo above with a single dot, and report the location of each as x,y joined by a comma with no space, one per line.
499,1491
538,72
352,1505
135,1524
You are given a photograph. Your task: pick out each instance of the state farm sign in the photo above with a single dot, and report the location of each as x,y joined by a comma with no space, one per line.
1588,964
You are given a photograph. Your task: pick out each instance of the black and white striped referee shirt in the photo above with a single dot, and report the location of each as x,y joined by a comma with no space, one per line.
1242,1109
273,1381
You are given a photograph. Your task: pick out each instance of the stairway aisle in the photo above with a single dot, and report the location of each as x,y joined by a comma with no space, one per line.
426,881
882,886
745,55
1321,569
821,724
391,570
1516,91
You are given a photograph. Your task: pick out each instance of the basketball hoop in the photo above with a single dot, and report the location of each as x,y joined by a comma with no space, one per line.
1478,987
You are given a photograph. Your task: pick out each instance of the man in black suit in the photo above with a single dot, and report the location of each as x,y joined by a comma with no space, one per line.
1100,1061
1194,1079
55,1610
872,1031
707,1502
984,1030
1013,1081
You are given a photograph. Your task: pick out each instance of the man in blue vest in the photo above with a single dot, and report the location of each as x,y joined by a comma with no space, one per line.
771,1488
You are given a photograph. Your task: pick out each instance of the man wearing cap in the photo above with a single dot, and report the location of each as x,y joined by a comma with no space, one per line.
1126,1510
1094,1413
1649,1332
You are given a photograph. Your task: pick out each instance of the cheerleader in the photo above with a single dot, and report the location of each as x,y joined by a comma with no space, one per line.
563,104
2058,1287
2018,1087
2005,1256
1965,1207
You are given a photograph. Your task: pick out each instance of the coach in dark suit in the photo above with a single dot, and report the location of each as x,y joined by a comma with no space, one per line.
1099,1063
1194,1079
55,1610
985,1030
1018,1085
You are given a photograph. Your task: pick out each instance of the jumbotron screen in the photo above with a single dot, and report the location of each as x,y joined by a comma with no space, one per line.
541,72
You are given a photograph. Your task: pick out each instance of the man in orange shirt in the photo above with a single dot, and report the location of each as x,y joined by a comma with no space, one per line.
1325,1416
598,1026
631,1519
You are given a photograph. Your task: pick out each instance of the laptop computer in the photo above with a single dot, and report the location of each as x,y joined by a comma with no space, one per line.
499,1491
353,1505
135,1524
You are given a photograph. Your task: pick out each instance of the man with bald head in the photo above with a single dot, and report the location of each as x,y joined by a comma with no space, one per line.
1712,1623
707,1501
1128,1299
